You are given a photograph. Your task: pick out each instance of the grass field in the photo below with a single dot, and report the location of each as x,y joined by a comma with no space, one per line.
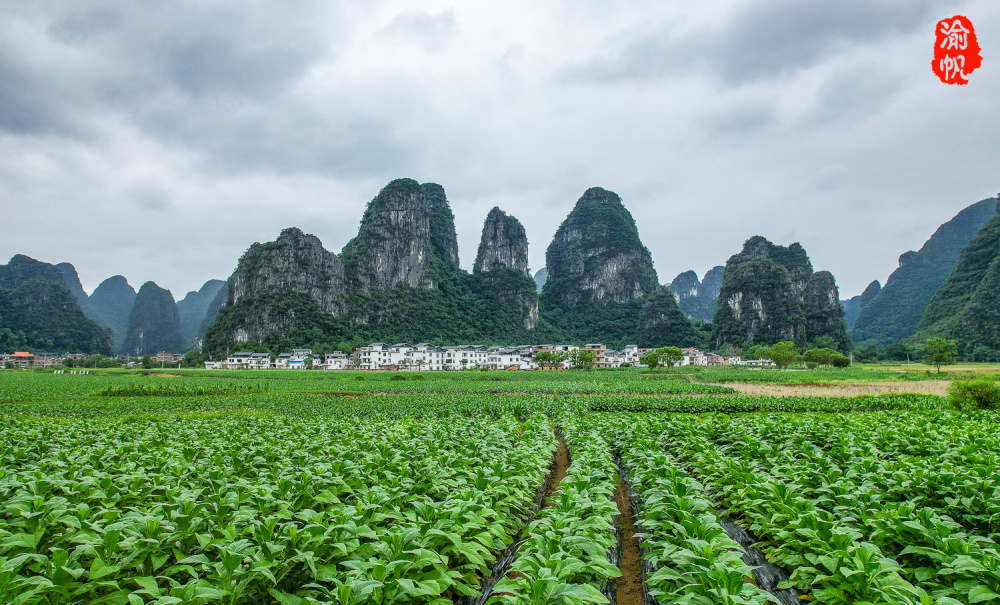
712,486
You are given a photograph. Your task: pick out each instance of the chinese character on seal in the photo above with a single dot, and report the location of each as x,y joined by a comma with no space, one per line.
956,50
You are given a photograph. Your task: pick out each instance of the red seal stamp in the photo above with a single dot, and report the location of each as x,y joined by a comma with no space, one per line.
956,50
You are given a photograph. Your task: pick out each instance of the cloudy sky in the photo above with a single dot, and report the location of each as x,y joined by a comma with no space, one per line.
158,140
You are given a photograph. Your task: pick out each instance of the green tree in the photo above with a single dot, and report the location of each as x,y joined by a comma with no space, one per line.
939,352
147,362
760,352
822,357
784,354
651,359
193,359
585,360
549,358
670,355
825,342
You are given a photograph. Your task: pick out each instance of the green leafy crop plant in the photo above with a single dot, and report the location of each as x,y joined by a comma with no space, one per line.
242,510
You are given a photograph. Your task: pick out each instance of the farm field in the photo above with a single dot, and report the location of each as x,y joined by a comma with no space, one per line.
473,487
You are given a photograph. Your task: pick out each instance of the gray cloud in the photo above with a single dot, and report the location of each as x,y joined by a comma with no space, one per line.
163,138
432,31
759,40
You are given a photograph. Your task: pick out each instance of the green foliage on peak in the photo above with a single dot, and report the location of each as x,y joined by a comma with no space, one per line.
40,313
598,273
770,294
965,307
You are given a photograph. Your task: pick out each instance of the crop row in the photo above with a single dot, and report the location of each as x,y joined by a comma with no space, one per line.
442,405
565,556
693,558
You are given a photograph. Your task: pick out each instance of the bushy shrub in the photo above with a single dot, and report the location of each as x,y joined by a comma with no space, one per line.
978,394
811,365
397,377
839,361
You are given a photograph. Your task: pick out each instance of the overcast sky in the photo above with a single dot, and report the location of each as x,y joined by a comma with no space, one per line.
158,140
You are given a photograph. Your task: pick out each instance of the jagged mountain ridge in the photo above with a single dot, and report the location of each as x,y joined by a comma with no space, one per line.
402,280
698,298
399,279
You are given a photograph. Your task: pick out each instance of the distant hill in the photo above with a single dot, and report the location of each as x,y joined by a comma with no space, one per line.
192,310
540,277
967,306
109,305
39,312
697,299
894,313
153,323
852,306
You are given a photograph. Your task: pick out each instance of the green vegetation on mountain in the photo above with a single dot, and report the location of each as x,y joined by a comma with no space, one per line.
852,306
770,294
824,316
893,315
153,323
598,273
663,324
966,307
39,312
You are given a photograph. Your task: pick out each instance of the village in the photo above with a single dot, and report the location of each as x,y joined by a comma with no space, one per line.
407,357
432,358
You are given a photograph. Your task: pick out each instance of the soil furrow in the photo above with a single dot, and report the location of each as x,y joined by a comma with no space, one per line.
629,584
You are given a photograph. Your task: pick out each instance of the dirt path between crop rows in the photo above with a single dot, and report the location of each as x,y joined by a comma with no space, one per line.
557,470
927,387
629,585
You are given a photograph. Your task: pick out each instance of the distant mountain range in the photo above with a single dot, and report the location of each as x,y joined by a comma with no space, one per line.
399,279
48,306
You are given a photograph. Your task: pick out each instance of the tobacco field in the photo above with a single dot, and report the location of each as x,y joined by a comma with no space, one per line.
487,487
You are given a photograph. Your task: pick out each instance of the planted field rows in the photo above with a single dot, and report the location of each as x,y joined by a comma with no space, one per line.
280,495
